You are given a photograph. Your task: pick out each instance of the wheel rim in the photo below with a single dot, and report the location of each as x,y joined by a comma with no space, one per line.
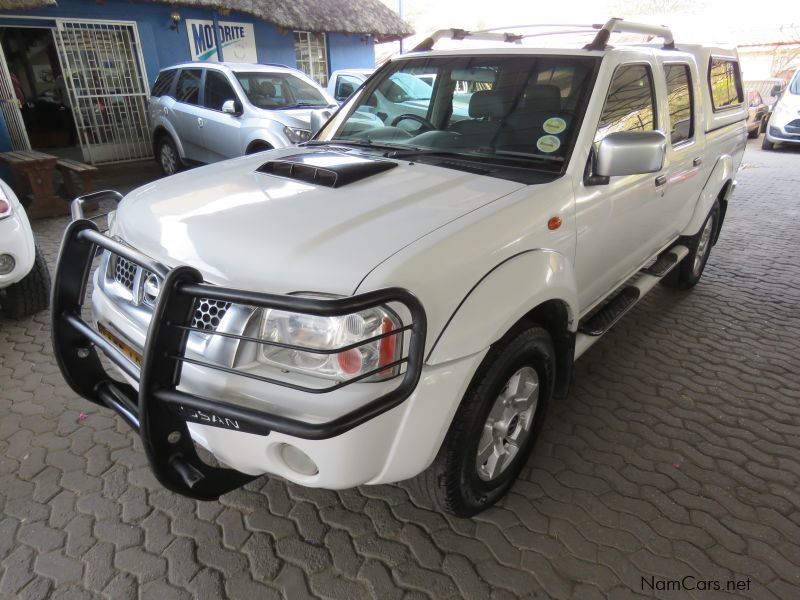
168,159
703,246
509,424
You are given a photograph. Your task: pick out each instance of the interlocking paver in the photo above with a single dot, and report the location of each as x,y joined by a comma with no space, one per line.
675,453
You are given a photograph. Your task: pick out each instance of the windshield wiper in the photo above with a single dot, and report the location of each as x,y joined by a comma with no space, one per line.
506,155
307,105
365,143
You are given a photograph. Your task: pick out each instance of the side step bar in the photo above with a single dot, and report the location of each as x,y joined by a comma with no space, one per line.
595,327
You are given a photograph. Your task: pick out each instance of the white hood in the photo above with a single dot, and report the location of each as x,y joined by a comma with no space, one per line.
260,232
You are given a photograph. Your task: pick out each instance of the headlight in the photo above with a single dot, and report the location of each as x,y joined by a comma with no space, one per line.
297,135
329,333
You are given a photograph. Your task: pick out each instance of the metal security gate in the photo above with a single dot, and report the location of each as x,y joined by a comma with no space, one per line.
9,105
104,71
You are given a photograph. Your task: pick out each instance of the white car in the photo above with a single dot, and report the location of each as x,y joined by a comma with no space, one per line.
202,112
24,278
384,301
784,123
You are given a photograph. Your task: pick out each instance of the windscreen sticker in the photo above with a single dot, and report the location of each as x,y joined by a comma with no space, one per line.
554,125
548,144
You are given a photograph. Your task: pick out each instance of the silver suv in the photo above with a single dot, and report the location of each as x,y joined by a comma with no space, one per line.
205,112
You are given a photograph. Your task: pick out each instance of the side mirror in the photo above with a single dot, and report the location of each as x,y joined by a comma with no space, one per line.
232,107
776,90
318,118
631,153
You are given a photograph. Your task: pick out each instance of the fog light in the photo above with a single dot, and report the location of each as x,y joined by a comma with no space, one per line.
7,263
774,131
298,461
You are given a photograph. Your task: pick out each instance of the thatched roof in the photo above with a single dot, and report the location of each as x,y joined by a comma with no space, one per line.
347,16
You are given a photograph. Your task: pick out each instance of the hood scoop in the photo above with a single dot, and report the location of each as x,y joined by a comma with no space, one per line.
326,168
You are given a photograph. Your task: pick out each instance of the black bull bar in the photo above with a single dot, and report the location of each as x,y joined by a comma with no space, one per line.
155,410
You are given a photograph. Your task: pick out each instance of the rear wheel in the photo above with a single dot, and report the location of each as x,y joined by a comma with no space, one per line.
167,155
495,426
689,271
31,294
753,134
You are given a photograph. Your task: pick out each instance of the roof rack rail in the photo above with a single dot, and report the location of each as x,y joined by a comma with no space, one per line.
501,34
618,25
496,35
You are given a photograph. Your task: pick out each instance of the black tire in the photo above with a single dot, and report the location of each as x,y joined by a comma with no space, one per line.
168,157
452,481
753,134
258,147
766,144
31,294
688,272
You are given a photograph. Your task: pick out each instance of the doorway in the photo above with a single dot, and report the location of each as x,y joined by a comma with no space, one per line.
38,86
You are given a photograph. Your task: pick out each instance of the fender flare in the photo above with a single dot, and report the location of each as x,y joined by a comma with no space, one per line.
163,126
262,135
721,178
501,298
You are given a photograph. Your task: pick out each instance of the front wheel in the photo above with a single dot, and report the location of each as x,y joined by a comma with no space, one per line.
29,295
167,155
495,426
766,144
688,272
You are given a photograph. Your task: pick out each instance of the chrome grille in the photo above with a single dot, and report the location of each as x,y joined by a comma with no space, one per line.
209,313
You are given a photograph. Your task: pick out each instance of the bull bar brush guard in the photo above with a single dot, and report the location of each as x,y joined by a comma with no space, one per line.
155,410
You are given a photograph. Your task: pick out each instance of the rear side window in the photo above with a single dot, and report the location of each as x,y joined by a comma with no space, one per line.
345,86
163,83
218,90
188,89
680,102
630,104
726,83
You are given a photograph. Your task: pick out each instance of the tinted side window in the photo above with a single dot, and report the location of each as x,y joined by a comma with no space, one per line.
725,82
630,104
218,89
345,86
188,89
163,83
680,101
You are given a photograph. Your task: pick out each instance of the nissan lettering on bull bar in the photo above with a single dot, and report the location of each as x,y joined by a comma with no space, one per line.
238,41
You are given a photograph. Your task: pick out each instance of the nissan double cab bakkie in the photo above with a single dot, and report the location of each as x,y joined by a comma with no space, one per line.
405,294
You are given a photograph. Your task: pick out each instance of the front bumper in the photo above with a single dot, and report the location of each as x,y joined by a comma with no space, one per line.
158,408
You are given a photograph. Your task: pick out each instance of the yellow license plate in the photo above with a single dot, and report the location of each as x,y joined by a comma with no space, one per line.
134,356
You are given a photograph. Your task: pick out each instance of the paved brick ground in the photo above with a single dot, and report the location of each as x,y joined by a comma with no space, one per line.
677,453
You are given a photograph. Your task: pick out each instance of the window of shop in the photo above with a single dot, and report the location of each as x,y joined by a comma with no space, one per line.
311,55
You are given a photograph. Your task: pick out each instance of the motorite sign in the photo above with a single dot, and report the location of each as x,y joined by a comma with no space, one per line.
238,41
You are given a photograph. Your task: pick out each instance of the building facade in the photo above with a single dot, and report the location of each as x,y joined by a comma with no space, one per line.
75,74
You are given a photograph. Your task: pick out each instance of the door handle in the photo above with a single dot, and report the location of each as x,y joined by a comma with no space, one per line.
697,161
200,122
661,180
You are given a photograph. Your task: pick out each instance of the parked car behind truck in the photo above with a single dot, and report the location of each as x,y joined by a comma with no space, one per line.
784,123
204,112
384,301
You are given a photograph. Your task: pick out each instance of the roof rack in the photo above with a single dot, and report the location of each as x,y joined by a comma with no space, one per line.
497,34
618,25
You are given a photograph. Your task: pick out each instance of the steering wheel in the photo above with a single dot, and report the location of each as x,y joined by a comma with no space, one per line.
421,120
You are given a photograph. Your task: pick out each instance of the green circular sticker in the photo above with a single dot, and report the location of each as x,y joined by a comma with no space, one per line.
548,144
554,125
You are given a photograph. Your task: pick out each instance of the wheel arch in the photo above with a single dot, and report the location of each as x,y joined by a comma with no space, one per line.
719,187
164,129
533,287
258,145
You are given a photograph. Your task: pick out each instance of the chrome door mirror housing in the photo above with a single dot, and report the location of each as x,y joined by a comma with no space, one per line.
232,107
631,153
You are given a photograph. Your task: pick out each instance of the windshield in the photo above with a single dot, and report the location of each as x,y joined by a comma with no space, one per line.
279,90
512,108
794,87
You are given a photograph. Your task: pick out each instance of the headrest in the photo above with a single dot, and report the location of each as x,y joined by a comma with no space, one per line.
488,104
266,88
543,97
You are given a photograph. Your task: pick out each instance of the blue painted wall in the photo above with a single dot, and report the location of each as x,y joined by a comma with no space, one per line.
162,46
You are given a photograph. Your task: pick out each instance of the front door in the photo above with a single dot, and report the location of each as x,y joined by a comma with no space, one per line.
221,131
616,219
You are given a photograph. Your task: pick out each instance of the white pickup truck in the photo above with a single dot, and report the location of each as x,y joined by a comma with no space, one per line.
405,296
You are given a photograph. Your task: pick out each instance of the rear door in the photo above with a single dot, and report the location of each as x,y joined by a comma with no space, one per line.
684,161
221,131
188,114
